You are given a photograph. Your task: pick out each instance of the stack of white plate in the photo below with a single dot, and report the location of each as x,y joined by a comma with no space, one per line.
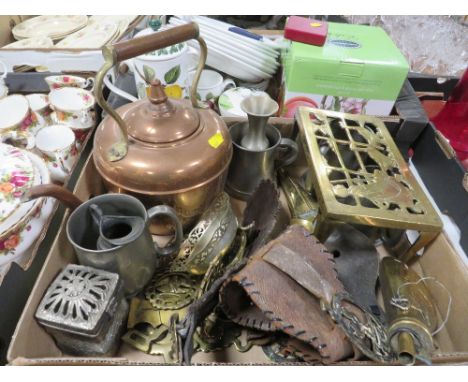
76,32
122,21
54,27
33,42
246,58
94,36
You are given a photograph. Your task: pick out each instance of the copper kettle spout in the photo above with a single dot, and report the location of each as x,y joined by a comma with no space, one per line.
52,190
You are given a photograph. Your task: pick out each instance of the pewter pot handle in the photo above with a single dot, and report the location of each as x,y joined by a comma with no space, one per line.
128,49
58,192
163,210
290,152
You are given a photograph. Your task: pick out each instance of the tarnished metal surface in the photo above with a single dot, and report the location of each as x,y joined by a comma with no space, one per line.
213,234
366,332
77,299
409,308
303,208
84,310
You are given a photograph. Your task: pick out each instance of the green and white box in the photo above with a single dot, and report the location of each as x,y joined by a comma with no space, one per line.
358,70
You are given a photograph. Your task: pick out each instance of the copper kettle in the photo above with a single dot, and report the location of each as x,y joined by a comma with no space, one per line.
160,150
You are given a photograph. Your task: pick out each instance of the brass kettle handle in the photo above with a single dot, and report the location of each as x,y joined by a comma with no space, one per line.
115,53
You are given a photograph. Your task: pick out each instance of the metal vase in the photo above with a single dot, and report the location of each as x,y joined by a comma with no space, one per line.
258,107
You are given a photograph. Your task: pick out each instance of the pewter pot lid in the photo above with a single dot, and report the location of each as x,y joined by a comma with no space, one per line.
77,299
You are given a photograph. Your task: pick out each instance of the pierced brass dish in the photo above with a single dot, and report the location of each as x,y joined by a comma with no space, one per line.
213,234
360,177
229,258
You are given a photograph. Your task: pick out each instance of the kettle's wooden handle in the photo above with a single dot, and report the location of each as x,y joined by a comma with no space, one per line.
58,192
141,45
138,46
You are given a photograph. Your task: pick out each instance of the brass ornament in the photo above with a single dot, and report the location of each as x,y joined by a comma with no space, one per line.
304,210
172,290
368,334
410,311
142,311
224,259
251,338
171,293
144,335
275,352
216,333
161,340
169,346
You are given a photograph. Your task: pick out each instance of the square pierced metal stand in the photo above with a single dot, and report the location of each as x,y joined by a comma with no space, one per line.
84,310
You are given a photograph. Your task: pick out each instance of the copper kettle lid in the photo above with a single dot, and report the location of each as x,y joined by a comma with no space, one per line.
158,120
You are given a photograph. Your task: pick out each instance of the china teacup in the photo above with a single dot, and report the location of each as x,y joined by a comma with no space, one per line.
211,84
80,133
58,82
73,107
16,120
39,104
57,145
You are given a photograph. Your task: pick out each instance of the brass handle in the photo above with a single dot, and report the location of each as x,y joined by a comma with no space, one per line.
136,47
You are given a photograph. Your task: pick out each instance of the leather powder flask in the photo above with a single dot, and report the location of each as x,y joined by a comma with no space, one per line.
283,288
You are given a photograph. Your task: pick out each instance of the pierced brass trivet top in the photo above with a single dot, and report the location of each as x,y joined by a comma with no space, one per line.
359,174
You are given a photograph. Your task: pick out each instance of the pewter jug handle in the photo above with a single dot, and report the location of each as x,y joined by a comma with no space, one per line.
128,49
163,210
290,155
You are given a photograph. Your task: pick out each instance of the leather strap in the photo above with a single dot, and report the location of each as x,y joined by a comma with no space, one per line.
280,289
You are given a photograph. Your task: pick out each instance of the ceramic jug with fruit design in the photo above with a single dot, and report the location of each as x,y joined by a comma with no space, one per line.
170,65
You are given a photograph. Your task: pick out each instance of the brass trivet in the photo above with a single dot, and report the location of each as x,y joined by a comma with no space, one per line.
360,177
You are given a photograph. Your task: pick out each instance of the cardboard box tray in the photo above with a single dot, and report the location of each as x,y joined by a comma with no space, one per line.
32,345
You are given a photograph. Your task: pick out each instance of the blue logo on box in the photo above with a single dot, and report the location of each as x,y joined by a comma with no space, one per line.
345,44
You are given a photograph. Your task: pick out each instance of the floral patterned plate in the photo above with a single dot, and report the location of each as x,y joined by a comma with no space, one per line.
53,26
18,173
16,176
17,245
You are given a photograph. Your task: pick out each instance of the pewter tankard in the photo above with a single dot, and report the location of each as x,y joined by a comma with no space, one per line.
248,167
